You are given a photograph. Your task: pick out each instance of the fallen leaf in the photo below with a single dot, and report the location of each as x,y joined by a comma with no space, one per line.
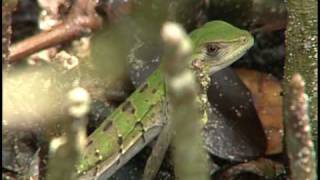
266,94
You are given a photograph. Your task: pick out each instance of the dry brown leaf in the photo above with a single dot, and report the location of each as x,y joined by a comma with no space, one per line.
266,91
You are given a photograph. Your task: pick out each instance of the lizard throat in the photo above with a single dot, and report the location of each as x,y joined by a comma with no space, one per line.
225,63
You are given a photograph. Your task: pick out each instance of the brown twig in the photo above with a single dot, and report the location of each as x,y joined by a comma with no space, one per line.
82,19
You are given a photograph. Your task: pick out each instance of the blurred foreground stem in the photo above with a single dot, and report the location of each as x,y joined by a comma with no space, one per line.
300,148
65,150
184,109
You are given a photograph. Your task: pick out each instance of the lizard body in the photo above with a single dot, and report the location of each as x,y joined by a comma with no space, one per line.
138,120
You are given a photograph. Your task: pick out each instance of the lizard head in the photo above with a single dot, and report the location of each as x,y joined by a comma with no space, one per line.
218,44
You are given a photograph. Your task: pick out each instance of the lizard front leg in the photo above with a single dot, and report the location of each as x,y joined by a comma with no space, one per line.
160,147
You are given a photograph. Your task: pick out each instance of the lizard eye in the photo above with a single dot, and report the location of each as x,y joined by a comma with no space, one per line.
212,49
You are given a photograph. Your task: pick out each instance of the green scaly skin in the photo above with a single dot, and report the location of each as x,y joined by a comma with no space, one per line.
138,120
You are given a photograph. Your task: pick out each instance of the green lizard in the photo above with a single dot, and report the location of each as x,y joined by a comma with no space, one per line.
138,120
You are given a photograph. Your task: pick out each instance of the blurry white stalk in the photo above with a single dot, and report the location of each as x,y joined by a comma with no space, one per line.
184,109
64,151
